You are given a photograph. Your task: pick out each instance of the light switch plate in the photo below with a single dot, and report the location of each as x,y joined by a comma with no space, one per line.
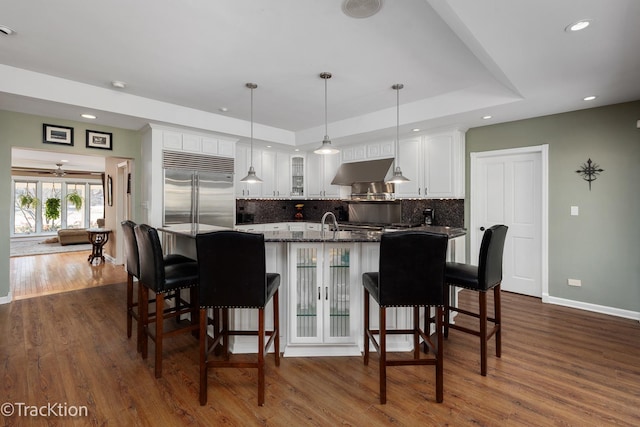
575,211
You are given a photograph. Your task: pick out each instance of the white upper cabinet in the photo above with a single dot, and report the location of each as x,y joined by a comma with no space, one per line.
434,164
410,162
321,169
242,164
194,143
375,150
275,174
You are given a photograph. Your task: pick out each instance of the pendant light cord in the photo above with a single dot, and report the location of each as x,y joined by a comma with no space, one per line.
251,164
398,86
396,159
325,109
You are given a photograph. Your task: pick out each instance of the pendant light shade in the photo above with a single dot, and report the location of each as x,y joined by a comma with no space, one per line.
397,177
251,177
326,147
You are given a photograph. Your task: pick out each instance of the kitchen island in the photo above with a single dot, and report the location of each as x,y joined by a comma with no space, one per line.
321,287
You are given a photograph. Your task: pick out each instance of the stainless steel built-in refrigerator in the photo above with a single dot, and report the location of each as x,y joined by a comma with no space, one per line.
198,197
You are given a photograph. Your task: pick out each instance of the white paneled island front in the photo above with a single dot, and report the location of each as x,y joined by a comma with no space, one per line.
321,296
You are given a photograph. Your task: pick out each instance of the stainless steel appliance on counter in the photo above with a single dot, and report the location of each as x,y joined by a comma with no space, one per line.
198,189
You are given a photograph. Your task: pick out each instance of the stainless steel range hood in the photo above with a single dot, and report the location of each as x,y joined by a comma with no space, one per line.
368,171
366,179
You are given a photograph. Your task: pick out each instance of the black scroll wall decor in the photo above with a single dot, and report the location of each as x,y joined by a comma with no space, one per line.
590,171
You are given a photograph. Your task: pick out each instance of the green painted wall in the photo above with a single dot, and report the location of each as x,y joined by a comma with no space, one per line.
24,130
601,246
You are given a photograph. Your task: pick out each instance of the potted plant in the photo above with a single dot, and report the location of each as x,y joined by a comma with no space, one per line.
75,199
52,209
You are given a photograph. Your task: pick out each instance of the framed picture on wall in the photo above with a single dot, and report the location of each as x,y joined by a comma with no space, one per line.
54,134
102,140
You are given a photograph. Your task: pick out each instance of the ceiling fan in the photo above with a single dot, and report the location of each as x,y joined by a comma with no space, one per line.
59,172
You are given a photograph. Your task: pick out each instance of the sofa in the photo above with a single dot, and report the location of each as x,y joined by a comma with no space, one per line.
73,236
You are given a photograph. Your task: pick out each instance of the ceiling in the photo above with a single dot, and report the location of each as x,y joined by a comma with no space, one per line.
459,60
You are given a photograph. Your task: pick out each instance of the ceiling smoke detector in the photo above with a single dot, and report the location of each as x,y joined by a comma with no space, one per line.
6,31
361,8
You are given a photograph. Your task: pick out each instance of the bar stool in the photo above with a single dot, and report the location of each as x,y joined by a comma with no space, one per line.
487,275
411,274
132,266
162,279
233,274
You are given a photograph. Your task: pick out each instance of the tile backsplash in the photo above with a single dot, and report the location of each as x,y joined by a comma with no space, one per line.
448,212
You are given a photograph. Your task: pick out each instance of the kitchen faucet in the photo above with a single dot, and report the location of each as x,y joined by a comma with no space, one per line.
324,217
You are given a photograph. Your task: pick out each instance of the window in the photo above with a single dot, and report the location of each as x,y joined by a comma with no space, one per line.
96,203
75,205
26,207
45,206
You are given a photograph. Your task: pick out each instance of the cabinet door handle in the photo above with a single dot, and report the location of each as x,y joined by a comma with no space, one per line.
319,297
326,292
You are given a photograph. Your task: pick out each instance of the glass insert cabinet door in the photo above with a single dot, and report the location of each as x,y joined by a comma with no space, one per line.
322,294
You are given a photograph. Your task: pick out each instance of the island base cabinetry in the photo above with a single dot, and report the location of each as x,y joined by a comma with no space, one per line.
323,295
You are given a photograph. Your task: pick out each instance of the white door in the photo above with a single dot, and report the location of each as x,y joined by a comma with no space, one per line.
509,187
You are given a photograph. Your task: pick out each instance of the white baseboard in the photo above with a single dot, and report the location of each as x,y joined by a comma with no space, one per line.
627,314
6,300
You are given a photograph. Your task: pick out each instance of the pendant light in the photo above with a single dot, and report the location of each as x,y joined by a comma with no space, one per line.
251,177
326,147
397,178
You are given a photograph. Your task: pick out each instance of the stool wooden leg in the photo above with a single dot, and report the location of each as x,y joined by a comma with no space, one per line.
159,330
416,328
439,355
203,356
129,304
498,319
261,356
366,327
383,355
276,327
483,332
447,306
143,323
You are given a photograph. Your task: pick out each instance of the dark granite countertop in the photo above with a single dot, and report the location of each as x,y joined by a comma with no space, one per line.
350,236
191,230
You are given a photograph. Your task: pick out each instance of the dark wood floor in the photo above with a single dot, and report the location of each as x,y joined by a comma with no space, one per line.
560,366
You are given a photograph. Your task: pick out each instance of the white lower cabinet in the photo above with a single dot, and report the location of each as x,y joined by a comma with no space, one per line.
321,299
324,293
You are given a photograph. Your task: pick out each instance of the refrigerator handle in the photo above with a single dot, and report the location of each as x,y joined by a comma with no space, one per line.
195,197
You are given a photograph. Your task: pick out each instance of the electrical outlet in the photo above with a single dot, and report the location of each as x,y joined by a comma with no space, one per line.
574,282
575,210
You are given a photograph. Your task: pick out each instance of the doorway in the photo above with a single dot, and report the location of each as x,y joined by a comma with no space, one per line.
510,187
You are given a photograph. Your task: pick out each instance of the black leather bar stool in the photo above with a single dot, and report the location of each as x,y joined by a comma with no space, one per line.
411,274
132,266
162,279
233,275
487,275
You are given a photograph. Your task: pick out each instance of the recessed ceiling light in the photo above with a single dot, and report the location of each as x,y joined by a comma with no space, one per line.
486,117
118,84
64,161
268,146
415,130
88,116
577,26
589,98
297,149
223,109
6,31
